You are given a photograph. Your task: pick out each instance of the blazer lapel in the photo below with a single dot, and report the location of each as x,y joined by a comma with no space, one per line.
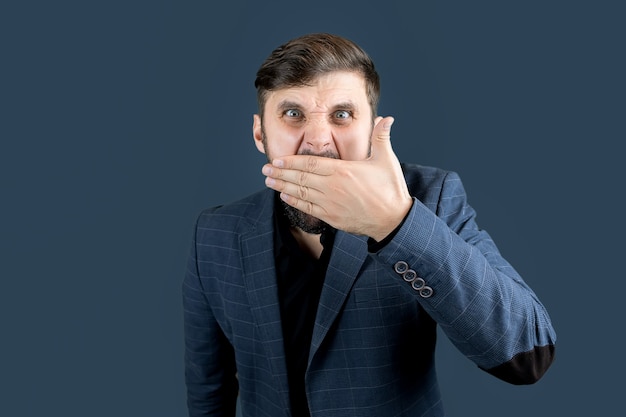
257,248
349,253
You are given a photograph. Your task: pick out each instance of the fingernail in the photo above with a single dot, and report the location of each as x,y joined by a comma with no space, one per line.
278,163
270,182
388,124
267,170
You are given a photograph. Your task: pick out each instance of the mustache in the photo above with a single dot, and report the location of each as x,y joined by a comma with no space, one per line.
324,154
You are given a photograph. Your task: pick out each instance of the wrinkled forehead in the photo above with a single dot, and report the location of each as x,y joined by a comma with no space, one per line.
325,92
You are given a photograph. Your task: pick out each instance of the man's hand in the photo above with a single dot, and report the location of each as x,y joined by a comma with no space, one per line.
368,197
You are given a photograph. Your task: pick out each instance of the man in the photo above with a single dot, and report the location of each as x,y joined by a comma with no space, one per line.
320,295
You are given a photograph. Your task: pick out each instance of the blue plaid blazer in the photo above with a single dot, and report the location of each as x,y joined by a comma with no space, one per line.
372,351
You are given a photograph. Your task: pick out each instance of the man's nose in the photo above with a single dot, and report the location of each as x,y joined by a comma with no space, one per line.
317,136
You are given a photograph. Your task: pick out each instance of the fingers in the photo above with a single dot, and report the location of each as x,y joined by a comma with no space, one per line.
301,196
298,173
295,176
303,205
303,181
293,182
309,163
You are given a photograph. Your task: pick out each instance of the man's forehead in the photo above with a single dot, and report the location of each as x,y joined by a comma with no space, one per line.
329,89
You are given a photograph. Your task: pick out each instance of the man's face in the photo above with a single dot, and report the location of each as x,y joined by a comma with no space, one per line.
331,117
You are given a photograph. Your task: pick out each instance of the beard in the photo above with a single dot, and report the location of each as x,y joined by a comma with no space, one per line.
296,217
302,220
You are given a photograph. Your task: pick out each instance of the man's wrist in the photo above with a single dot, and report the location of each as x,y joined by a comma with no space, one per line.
385,236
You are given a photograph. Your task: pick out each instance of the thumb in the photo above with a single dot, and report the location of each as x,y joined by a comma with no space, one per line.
381,137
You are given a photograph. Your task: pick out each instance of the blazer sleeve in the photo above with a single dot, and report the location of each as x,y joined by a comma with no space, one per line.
210,372
460,278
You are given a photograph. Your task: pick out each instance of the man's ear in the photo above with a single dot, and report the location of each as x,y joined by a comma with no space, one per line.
257,133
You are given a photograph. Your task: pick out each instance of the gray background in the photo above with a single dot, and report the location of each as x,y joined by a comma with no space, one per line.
120,121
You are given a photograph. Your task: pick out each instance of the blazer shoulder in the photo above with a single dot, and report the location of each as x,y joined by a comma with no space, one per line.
238,215
426,182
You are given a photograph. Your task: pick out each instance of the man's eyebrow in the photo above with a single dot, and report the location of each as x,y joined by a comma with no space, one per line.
344,105
287,104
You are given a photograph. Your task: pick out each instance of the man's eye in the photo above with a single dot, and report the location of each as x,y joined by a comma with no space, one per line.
292,113
342,114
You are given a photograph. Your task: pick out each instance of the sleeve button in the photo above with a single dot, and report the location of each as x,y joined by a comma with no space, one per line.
426,291
409,275
418,284
401,267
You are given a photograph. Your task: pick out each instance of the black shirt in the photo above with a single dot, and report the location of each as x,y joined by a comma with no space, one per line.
300,278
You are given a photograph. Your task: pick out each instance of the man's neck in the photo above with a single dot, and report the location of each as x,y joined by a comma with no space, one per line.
310,243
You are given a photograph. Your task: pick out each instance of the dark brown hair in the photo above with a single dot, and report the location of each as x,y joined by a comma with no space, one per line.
301,60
